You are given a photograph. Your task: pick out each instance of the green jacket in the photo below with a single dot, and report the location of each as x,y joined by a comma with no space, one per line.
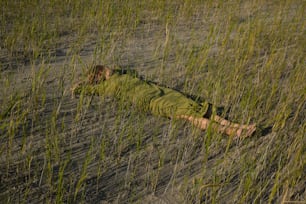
147,96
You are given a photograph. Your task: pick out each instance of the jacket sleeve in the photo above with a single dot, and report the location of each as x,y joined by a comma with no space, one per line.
101,89
85,89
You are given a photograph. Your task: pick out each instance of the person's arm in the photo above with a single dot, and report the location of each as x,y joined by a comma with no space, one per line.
89,89
86,89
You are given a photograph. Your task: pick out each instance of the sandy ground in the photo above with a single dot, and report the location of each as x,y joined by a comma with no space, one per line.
128,175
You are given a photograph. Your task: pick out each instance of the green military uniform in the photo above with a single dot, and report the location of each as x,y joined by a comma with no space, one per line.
147,96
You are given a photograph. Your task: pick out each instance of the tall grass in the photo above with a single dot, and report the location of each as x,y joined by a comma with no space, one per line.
246,56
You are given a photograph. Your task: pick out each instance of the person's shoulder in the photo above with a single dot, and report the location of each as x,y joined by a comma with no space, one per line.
121,78
130,72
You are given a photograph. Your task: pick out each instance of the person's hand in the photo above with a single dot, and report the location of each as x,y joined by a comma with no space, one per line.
75,89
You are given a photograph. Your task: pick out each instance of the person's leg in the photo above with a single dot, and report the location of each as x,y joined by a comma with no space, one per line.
204,123
225,122
249,129
212,115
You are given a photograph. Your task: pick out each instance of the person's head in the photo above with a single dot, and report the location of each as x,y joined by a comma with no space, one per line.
99,73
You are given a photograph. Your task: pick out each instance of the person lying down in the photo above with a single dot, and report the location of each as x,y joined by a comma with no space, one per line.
157,100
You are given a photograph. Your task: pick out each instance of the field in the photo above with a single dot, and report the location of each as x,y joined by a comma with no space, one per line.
248,57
